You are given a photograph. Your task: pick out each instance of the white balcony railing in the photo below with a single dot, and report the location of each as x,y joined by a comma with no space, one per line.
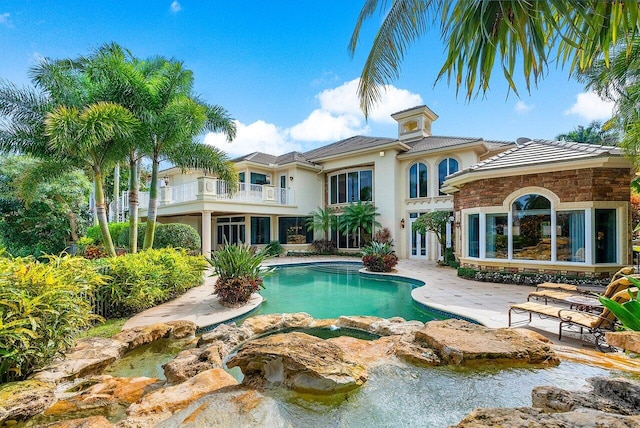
212,189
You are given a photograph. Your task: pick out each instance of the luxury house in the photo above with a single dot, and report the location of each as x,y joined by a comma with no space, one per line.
505,198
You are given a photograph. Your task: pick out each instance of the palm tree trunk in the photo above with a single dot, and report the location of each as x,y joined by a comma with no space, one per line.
71,215
101,214
152,212
134,201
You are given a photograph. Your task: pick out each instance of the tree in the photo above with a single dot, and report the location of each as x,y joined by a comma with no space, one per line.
592,134
322,220
359,217
174,119
436,222
522,33
39,216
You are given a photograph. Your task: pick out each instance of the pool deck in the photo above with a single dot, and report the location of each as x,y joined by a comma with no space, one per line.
488,303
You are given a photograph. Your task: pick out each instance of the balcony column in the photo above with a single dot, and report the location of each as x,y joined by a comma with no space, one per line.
206,188
165,195
206,233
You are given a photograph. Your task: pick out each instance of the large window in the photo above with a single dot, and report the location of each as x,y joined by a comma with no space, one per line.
349,239
605,236
231,230
293,230
531,218
353,186
497,238
418,180
446,167
257,178
570,232
474,235
260,230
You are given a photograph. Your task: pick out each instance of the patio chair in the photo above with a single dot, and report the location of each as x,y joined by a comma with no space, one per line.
595,324
627,270
619,282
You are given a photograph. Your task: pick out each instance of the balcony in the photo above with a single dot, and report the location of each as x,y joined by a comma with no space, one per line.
211,189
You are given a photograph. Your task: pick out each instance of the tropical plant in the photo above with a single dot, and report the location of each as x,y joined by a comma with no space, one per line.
174,117
324,246
379,257
628,312
592,134
239,272
383,235
148,278
436,222
322,221
273,249
177,235
43,307
517,33
359,217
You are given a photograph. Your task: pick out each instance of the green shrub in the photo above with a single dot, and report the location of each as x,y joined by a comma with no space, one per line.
239,273
115,229
379,257
273,249
324,246
123,238
43,307
176,235
148,278
467,273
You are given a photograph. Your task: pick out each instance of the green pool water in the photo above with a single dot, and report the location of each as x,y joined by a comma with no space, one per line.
332,290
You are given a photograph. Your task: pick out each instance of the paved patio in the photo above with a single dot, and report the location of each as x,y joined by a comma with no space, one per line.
488,303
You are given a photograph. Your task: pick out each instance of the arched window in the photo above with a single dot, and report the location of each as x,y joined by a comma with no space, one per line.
418,180
446,167
531,227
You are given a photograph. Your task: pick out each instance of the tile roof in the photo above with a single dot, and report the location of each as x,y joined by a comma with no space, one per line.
345,146
435,142
541,152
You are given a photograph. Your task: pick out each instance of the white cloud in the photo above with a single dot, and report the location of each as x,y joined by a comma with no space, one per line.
322,125
258,136
590,106
5,20
521,107
175,7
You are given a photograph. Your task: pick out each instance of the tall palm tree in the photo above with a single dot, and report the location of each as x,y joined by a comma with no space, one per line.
359,217
170,126
96,134
591,134
522,33
322,220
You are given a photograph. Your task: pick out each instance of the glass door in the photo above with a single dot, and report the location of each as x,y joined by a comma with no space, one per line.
418,241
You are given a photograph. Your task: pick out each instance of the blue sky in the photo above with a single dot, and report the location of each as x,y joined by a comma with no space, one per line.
282,70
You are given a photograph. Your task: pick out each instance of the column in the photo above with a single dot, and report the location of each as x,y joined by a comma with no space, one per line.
206,233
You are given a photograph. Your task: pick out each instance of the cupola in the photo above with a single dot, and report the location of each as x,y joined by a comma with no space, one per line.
414,123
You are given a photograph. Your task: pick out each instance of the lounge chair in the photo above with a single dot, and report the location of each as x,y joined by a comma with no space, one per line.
627,270
595,324
619,282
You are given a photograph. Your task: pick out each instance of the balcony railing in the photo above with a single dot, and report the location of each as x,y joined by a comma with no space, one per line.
209,189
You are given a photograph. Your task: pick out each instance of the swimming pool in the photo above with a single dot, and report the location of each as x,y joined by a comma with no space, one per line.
329,290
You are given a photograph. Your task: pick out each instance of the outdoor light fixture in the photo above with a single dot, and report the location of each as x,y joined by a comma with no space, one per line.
291,178
166,180
402,223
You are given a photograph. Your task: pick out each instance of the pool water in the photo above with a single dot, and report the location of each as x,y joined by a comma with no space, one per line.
332,290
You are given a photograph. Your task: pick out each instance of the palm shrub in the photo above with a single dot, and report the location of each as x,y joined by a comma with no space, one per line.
379,257
628,312
43,307
239,273
273,249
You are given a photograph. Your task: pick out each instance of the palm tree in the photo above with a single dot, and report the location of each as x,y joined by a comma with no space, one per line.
476,33
170,125
97,134
592,134
359,217
322,220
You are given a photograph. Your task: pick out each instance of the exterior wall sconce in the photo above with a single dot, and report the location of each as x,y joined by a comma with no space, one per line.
166,180
402,223
291,178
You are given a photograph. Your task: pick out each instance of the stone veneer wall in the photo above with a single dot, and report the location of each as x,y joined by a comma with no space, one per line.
581,185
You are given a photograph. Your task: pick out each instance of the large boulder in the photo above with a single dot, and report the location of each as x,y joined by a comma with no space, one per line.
138,336
396,326
460,342
230,407
366,352
300,362
416,354
182,329
537,418
22,400
190,362
359,322
90,356
627,340
173,398
227,336
265,323
612,395
104,391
